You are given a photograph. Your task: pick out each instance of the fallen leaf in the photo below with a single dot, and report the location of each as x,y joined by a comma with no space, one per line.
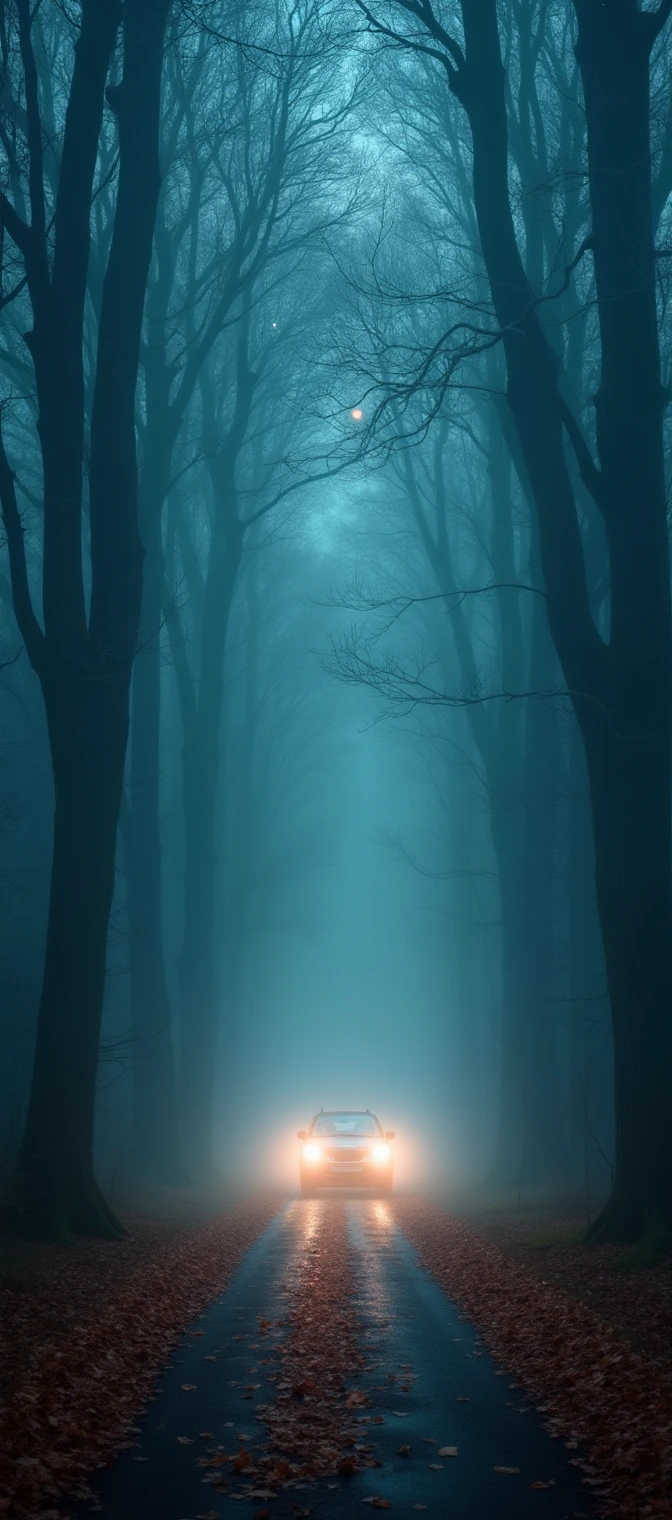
347,1466
506,1469
404,1451
448,1451
188,1387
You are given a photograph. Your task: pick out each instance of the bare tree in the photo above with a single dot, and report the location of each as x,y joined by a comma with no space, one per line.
620,683
83,657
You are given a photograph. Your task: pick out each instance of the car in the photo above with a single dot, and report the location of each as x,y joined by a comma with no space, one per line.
345,1148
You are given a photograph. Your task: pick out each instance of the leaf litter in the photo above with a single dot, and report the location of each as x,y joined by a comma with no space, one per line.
313,1422
86,1339
596,1392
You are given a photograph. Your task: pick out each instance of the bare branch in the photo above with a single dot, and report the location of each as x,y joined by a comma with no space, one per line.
18,229
406,42
29,627
35,170
656,20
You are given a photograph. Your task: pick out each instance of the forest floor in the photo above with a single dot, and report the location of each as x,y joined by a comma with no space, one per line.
86,1329
548,1239
45,1289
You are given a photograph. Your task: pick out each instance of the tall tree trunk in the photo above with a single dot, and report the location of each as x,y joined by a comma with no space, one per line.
155,1109
87,730
199,965
544,1157
85,672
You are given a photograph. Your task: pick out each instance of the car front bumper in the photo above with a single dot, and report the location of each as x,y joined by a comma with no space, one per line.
352,1174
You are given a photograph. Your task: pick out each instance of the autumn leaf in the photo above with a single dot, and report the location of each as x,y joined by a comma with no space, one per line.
185,1441
188,1387
347,1466
404,1451
448,1451
506,1469
281,1472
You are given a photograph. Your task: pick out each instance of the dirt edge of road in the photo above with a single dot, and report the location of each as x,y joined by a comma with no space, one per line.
596,1394
635,1299
86,1375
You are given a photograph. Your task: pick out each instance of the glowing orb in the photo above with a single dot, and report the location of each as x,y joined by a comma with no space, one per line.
356,414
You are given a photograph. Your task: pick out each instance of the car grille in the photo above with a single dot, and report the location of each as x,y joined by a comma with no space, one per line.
345,1154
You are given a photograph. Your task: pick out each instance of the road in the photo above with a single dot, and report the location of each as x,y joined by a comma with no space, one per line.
333,1373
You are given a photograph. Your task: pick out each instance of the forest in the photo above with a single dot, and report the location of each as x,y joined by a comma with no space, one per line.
336,727
336,594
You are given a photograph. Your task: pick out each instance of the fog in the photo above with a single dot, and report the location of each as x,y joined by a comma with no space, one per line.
321,642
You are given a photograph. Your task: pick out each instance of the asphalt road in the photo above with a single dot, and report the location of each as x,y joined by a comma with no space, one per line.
427,1386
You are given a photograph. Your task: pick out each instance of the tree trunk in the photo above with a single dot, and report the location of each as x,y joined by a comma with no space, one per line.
155,1111
544,1157
199,967
56,1188
85,672
630,784
529,1148
622,691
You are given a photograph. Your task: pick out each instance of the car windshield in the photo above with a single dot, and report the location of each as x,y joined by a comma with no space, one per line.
345,1124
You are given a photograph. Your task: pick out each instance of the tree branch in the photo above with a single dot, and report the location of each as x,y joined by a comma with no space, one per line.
35,155
406,42
592,478
656,20
28,625
18,230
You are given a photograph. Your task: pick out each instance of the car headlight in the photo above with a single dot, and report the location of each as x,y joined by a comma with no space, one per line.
381,1153
312,1152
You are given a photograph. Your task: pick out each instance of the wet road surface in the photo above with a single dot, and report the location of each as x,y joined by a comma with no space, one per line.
265,1391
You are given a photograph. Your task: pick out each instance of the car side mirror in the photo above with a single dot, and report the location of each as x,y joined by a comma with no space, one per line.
301,1134
389,1134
